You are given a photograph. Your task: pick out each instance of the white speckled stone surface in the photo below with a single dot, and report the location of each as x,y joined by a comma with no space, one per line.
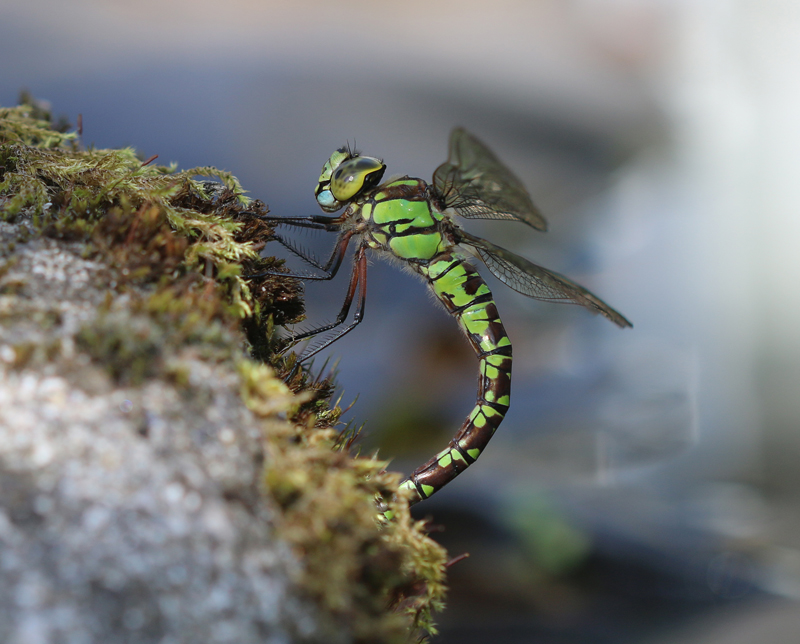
127,514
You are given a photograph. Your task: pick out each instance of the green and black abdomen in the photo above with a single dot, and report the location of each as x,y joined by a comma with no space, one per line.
466,296
399,219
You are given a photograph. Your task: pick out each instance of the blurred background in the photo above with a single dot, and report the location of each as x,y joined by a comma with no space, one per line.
644,486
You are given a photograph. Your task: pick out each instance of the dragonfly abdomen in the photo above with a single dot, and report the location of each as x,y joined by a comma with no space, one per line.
467,297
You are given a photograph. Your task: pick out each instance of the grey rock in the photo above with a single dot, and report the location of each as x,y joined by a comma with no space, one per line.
127,513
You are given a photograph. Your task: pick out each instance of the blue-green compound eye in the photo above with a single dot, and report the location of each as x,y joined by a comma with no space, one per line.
327,202
355,174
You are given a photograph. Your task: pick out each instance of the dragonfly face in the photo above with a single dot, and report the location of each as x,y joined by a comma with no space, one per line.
345,175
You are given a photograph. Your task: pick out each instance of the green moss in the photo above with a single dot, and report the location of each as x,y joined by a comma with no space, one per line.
356,564
145,217
176,247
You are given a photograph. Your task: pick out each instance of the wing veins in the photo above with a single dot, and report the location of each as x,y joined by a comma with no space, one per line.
537,282
478,186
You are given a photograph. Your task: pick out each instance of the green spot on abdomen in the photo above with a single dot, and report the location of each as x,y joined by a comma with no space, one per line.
407,485
490,372
474,320
437,267
503,362
490,411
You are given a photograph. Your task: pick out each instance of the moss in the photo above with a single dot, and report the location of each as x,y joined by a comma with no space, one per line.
176,247
356,564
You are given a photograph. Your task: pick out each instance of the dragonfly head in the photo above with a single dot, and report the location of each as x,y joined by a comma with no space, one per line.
344,176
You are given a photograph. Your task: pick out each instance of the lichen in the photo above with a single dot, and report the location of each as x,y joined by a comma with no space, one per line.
175,246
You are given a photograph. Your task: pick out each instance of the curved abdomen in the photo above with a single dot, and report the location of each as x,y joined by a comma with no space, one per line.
466,296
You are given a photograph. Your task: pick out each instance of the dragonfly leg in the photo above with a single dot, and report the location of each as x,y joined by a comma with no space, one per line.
358,281
317,222
329,268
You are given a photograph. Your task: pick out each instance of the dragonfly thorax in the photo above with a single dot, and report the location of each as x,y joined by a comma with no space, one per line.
399,218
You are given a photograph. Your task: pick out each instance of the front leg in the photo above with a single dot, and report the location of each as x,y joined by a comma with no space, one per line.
329,268
358,281
317,222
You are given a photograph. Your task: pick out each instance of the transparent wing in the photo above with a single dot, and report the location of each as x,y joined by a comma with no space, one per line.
534,281
478,186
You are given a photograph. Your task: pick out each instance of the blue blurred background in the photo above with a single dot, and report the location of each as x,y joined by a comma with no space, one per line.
644,486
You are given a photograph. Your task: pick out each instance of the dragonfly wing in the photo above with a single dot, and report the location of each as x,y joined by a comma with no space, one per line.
534,281
478,186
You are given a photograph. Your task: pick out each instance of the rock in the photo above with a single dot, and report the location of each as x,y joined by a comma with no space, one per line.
128,512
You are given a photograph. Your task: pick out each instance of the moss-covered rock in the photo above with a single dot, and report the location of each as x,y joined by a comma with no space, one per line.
159,476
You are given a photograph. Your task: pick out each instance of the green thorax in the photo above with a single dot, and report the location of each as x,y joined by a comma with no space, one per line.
398,217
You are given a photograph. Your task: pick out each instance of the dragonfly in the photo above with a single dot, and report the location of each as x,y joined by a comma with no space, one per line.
410,220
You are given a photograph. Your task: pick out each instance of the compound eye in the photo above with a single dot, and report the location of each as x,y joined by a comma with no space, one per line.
353,175
327,202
